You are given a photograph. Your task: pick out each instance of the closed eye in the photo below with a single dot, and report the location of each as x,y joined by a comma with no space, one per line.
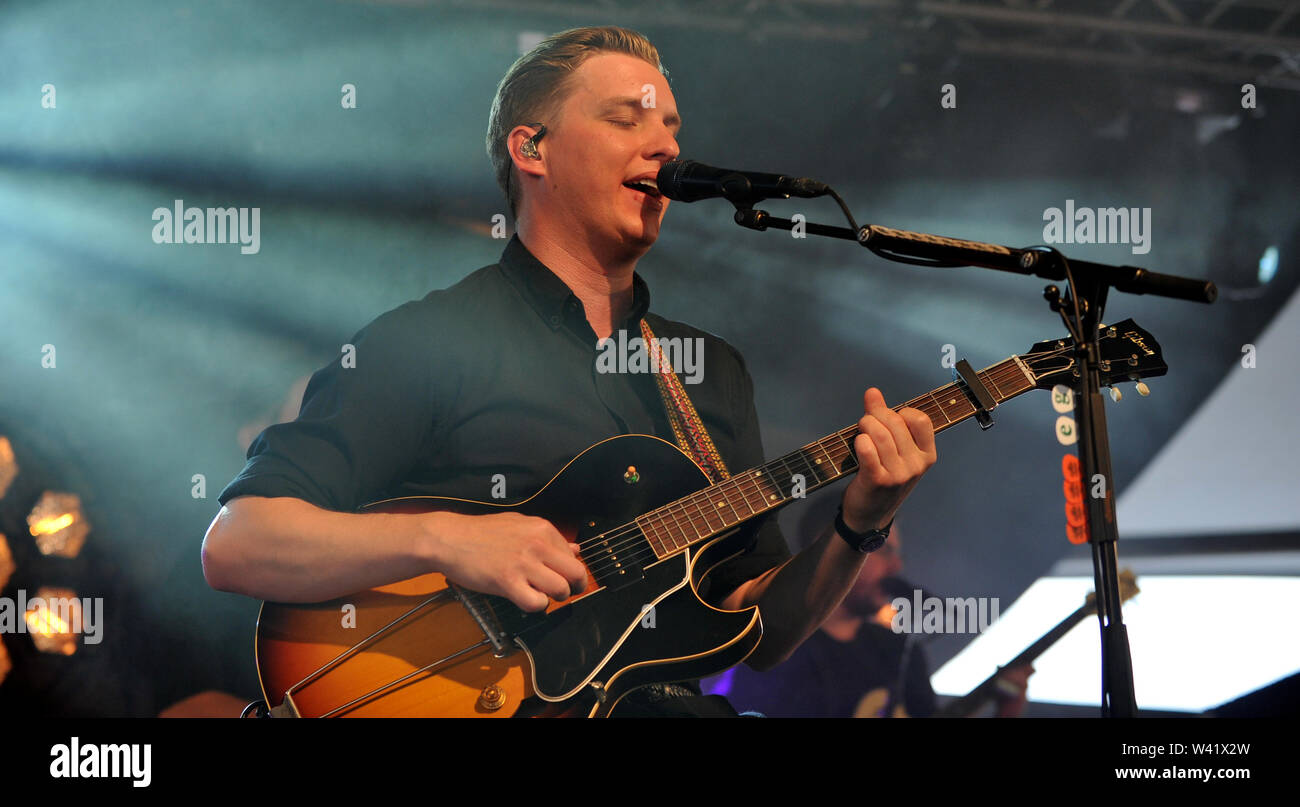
623,122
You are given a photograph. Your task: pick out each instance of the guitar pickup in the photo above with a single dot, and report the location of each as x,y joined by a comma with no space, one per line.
614,559
978,394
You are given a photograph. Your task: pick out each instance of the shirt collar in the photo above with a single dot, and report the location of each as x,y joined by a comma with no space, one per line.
550,296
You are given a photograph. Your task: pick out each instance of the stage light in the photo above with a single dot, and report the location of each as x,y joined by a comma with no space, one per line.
1267,265
5,664
1245,256
57,524
7,566
1197,641
8,465
54,620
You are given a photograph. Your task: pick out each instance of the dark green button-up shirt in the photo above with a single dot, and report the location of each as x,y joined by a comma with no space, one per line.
496,375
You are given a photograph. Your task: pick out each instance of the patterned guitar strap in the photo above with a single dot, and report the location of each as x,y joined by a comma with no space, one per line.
687,427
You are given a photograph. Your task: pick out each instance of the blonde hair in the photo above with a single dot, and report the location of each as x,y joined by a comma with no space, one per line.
536,85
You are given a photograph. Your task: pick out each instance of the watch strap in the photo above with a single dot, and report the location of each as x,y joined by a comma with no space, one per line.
863,542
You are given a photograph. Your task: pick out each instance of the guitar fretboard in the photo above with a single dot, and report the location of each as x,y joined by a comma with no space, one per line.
716,509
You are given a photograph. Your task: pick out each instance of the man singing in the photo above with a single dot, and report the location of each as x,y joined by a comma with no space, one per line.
497,378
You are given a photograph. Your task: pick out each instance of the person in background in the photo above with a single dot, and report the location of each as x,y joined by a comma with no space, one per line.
855,665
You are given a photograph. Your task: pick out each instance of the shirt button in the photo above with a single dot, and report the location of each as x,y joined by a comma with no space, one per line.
555,319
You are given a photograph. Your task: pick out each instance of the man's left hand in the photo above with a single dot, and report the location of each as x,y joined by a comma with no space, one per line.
893,449
1013,690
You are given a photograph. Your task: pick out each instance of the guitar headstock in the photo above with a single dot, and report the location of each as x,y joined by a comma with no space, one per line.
1128,585
1128,353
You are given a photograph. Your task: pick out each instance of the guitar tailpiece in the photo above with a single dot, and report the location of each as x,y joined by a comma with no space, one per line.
257,708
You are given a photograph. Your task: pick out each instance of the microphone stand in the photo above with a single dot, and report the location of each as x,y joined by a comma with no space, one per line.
1081,312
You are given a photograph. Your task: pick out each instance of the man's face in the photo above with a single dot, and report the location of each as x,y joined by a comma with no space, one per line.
618,123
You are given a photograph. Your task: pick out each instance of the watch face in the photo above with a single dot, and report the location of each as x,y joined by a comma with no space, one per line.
865,542
873,541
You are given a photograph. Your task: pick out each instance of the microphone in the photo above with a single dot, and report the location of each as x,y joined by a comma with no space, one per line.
689,181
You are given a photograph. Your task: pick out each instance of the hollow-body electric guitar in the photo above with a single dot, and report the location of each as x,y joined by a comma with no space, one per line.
650,528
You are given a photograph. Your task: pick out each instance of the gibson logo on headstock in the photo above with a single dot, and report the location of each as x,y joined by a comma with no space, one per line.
1136,338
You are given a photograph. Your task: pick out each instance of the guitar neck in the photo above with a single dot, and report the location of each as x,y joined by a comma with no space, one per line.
714,510
977,697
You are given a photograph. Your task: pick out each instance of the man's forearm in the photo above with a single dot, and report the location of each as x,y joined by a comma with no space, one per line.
288,550
797,597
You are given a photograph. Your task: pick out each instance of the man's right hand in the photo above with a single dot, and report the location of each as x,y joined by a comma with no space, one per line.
522,558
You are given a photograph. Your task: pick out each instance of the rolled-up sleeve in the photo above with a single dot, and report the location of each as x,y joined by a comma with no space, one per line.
362,424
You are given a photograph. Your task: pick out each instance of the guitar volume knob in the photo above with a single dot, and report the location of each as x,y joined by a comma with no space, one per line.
492,698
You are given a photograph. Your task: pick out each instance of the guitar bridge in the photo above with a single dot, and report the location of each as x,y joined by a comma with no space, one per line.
481,611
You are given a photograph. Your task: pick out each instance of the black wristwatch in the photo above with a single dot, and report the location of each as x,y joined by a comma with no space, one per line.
863,542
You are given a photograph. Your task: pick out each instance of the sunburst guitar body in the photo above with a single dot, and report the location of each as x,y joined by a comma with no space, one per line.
421,647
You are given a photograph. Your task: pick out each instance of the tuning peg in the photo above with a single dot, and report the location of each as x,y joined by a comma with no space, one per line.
1115,394
1143,389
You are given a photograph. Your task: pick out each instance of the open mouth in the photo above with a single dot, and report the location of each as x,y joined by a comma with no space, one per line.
647,186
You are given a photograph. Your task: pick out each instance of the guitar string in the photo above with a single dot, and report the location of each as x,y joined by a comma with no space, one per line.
747,484
611,559
632,533
997,376
694,498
